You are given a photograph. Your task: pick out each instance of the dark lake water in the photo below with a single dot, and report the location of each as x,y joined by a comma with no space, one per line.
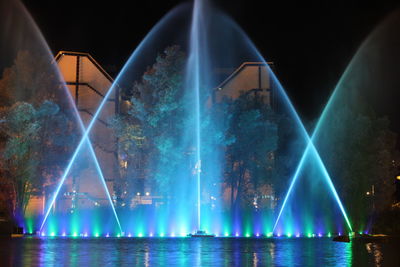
196,252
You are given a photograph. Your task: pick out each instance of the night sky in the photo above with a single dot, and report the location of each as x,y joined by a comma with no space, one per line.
310,44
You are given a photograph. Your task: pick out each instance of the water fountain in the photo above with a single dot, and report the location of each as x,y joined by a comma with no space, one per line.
186,179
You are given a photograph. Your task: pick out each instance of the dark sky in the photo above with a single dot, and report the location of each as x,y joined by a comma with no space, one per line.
311,44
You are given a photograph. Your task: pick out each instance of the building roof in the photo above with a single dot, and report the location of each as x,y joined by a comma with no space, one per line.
87,55
240,69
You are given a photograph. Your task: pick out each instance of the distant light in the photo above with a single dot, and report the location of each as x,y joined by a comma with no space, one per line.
43,234
129,235
96,234
118,235
309,235
237,234
398,177
172,234
64,234
85,235
147,194
340,234
226,234
269,234
329,234
297,235
75,234
247,235
257,235
183,234
151,234
138,194
162,235
52,234
368,193
279,234
289,235
107,235
140,235
319,235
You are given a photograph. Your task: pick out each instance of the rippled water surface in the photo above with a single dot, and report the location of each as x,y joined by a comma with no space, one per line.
196,252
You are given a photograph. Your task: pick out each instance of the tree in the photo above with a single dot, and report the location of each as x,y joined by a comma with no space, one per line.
253,127
359,155
148,131
37,129
20,155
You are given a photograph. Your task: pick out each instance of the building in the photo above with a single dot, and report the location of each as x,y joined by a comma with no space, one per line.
249,77
88,84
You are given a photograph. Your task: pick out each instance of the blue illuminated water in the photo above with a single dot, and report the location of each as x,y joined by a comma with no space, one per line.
195,252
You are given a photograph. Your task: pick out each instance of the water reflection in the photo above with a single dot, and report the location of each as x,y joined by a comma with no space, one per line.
196,252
